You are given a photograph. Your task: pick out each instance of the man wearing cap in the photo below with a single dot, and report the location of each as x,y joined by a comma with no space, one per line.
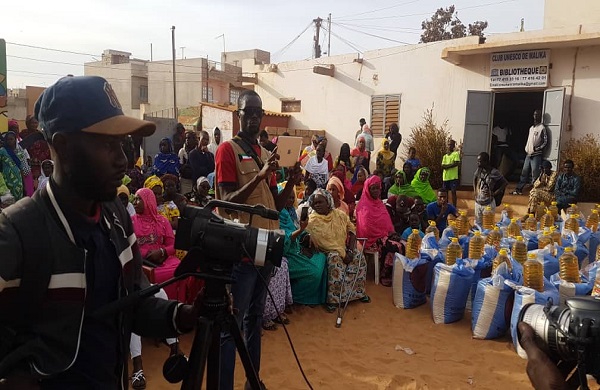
70,250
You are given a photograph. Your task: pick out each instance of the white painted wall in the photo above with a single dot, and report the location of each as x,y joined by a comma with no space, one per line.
562,13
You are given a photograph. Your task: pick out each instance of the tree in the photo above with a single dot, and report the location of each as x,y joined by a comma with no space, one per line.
444,24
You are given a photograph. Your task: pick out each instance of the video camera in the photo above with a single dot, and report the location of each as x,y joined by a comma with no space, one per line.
570,333
215,244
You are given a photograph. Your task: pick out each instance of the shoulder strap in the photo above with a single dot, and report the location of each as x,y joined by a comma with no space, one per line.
28,221
249,150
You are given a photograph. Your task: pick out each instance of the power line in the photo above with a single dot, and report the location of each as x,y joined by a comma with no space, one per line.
430,13
381,28
284,49
378,9
350,44
372,35
50,49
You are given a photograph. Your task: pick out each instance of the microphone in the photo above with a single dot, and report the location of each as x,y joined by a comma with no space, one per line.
265,212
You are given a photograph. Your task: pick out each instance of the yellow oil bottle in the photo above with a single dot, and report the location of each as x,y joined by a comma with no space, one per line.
476,244
533,273
494,237
413,245
531,223
432,228
488,218
569,266
547,220
502,257
453,252
592,221
513,230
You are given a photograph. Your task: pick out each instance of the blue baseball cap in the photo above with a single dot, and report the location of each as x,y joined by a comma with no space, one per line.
85,104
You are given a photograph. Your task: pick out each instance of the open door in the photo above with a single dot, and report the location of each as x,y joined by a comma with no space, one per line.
554,103
476,139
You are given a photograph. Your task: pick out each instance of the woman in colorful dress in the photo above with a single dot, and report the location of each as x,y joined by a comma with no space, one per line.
166,161
14,164
317,168
336,189
329,228
167,209
422,187
386,159
39,151
543,187
401,186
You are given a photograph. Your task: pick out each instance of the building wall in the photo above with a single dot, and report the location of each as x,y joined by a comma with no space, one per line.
561,13
423,80
233,57
32,93
119,77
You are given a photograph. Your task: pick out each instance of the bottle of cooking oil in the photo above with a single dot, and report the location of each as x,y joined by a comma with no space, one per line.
494,237
509,211
573,209
502,257
513,230
476,244
540,210
572,223
592,221
545,239
553,208
453,252
556,236
488,218
462,223
432,228
531,223
519,250
596,289
547,220
413,245
533,273
569,266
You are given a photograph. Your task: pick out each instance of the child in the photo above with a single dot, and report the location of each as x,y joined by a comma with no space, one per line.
450,163
413,160
414,220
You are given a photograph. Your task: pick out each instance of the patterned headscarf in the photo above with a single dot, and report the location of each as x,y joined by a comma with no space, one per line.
123,190
153,181
11,152
322,192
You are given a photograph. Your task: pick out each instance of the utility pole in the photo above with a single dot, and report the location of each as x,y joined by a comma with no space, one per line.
317,47
175,113
522,24
182,52
207,72
329,35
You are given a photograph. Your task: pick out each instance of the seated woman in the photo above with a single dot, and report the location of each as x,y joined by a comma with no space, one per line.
123,195
358,181
374,223
308,274
156,242
386,159
199,195
398,208
167,209
336,188
420,184
348,195
408,172
329,229
309,187
345,161
360,154
401,186
567,188
317,168
543,187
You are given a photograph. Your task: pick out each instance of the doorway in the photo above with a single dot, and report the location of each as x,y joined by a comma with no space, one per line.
512,118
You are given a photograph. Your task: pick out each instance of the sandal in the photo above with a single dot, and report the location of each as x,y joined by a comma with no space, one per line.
365,299
330,308
138,380
282,319
269,325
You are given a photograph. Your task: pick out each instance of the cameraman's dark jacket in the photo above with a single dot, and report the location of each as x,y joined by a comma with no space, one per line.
49,340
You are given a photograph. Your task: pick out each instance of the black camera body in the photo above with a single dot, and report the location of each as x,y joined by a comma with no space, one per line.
570,333
215,244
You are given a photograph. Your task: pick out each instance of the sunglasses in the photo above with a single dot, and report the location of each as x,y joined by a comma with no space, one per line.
252,111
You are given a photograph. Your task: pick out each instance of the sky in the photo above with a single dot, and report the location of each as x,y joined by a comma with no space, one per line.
79,31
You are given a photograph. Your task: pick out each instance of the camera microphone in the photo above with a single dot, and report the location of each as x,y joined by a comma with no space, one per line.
266,213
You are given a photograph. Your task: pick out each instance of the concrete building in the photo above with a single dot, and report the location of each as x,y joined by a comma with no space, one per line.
20,103
468,83
236,57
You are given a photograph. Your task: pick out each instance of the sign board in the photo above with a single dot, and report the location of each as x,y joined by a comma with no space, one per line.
519,69
3,89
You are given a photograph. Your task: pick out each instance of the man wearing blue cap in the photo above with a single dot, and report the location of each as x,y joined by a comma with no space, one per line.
71,250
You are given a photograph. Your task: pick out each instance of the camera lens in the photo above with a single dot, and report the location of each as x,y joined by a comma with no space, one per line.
548,331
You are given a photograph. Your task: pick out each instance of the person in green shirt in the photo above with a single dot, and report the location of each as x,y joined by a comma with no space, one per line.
450,163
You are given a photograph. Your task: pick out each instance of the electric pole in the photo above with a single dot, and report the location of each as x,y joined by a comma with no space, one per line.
329,36
522,24
175,113
317,48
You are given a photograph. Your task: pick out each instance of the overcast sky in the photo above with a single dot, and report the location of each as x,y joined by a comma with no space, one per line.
88,27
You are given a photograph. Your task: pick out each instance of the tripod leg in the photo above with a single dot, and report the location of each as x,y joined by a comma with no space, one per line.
251,374
213,365
198,355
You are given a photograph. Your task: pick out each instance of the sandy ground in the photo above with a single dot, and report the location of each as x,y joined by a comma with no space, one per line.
362,355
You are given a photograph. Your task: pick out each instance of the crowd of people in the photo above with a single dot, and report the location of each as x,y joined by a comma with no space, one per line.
327,208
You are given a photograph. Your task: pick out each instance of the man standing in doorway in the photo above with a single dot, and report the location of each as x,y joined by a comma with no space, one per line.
536,142
488,184
362,122
245,174
450,163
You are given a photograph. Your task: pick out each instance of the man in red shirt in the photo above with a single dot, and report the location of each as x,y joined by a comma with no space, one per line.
245,174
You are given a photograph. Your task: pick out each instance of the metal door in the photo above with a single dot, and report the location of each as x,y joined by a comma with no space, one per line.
476,138
553,109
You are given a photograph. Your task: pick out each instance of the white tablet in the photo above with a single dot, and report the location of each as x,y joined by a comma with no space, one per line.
289,149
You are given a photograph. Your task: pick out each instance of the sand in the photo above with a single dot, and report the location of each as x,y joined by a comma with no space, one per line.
362,353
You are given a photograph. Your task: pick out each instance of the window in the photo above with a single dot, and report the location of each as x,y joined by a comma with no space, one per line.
207,97
143,94
291,106
234,94
385,110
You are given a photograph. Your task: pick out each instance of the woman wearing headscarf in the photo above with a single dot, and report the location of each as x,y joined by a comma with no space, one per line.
344,159
167,209
123,194
14,164
317,168
543,187
358,181
199,196
360,155
39,151
47,170
329,230
401,186
367,134
373,222
420,184
385,158
166,161
156,242
336,189
348,195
